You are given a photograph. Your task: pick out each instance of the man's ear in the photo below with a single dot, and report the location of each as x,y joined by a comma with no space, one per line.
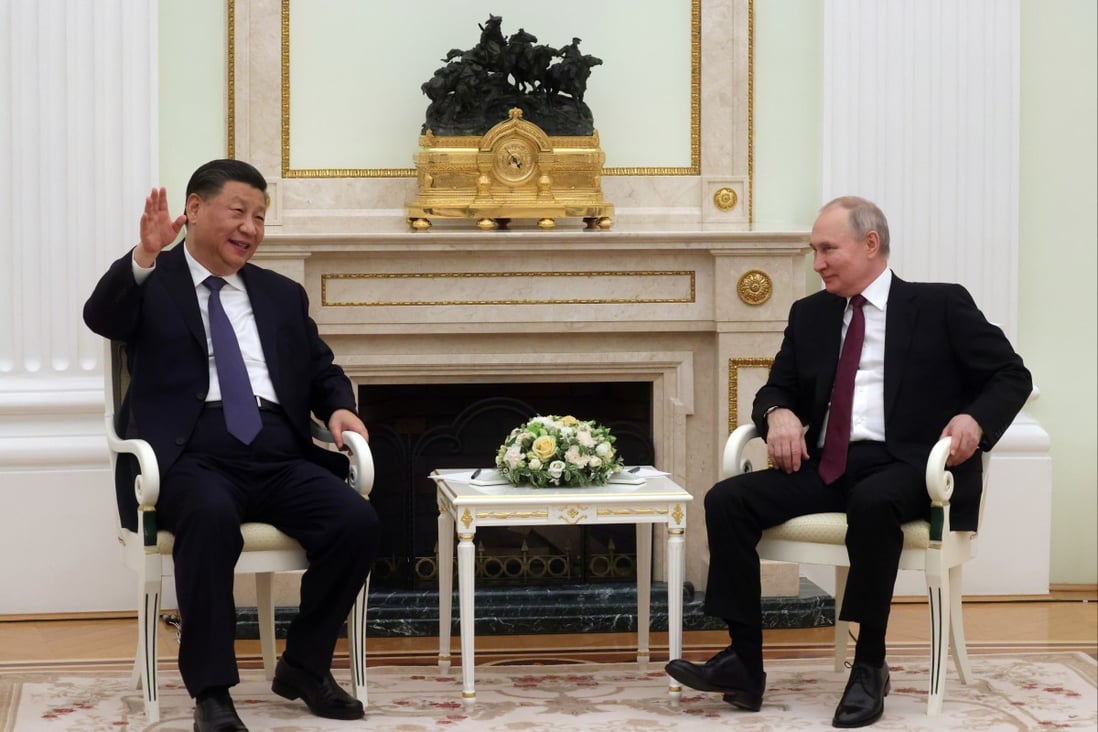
191,208
873,244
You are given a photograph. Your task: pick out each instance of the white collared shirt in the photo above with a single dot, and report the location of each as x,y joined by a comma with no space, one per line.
867,419
238,307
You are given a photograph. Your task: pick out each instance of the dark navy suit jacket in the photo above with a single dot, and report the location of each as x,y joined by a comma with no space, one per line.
161,326
942,358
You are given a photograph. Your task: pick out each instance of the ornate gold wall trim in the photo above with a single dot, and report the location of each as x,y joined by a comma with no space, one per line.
751,111
695,115
230,80
695,110
328,302
734,366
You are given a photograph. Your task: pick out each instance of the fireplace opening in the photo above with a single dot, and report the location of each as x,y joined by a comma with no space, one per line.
416,428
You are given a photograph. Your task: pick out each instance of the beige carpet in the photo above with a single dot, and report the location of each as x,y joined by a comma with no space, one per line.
1011,692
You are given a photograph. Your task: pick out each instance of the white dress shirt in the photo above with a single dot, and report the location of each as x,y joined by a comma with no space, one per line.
238,308
867,419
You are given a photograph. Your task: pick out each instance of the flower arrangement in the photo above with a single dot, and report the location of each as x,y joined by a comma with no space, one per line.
558,451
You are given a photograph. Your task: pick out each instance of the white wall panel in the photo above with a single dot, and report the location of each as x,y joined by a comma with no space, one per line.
921,115
77,157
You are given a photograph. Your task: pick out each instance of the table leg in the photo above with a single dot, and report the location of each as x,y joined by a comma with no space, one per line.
466,591
445,585
675,569
644,592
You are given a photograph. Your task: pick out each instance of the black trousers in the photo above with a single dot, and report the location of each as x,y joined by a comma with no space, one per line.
217,485
877,493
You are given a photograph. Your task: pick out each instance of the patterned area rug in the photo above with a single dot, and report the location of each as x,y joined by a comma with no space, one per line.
1011,692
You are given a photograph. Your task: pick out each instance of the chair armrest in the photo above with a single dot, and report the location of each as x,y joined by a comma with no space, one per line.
733,462
361,476
146,485
939,481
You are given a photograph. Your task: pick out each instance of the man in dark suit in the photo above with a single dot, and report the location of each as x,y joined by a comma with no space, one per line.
234,445
930,366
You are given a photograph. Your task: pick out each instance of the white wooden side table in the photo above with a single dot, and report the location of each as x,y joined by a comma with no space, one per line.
465,507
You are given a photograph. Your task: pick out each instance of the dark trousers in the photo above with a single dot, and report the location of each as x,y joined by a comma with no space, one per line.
877,493
217,485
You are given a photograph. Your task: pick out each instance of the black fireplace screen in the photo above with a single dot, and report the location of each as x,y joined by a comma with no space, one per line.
417,428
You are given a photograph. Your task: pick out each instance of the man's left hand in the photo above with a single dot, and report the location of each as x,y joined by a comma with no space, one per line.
345,419
966,434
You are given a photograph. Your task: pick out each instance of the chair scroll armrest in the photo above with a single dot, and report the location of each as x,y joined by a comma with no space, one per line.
733,462
146,485
361,477
939,486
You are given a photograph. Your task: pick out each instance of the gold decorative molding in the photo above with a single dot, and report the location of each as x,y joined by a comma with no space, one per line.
755,287
512,514
695,110
725,199
467,518
632,512
734,366
327,301
750,111
694,168
678,513
230,81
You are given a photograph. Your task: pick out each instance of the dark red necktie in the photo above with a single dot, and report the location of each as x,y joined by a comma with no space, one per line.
241,412
837,438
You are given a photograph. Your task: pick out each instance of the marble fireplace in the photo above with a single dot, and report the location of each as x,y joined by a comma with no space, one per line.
691,312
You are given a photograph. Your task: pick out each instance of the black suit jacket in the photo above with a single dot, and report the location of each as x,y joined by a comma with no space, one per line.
160,323
942,358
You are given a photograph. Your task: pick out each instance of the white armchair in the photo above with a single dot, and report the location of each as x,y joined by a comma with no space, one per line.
148,551
928,545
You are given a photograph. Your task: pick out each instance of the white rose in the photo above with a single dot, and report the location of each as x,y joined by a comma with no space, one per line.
573,456
594,462
513,456
535,464
556,469
603,449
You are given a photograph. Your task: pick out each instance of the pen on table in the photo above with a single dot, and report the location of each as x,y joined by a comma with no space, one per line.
634,469
475,474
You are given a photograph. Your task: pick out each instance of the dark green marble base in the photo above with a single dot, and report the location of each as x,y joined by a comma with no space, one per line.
565,608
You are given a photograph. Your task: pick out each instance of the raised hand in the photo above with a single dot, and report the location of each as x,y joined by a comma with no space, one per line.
158,229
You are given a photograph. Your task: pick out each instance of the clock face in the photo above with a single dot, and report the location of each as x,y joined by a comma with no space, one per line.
514,161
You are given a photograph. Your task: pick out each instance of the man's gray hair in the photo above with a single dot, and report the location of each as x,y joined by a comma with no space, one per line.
865,216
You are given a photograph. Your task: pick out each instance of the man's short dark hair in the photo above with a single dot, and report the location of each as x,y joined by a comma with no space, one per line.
211,177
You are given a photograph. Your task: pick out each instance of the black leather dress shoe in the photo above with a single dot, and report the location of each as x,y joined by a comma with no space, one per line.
863,701
723,673
217,714
323,696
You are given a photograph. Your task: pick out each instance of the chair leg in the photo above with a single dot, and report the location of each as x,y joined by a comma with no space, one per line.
356,643
148,618
842,628
957,647
938,594
264,605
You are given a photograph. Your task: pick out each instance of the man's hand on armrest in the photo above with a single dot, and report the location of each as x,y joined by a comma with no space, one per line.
785,445
345,419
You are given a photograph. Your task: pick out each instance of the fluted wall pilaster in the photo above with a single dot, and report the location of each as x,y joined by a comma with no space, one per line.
921,114
77,155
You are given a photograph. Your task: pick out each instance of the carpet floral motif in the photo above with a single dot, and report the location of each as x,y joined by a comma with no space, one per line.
1010,692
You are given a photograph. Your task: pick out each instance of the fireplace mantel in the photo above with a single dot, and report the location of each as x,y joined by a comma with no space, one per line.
695,309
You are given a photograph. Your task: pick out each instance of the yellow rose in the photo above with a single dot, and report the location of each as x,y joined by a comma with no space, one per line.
569,421
544,447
